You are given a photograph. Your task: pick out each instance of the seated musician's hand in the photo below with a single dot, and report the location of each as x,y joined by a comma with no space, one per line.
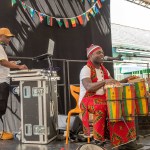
13,62
109,81
22,67
148,81
112,82
132,77
147,94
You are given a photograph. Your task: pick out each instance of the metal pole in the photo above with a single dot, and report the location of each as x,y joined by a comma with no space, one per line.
64,80
15,57
68,73
148,69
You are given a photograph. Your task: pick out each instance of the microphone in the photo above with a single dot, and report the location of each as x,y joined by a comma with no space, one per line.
112,58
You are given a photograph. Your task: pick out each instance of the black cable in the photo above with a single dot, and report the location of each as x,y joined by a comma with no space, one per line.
14,113
11,105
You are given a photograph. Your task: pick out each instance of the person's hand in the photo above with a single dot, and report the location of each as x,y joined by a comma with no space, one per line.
22,67
112,83
132,77
148,81
147,94
14,62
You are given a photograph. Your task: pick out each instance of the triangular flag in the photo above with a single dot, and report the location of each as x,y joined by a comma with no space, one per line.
95,9
73,22
59,22
66,23
92,12
40,16
32,12
99,4
23,5
13,2
49,21
80,18
87,16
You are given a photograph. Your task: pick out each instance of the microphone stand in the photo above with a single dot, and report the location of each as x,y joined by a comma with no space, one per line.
49,64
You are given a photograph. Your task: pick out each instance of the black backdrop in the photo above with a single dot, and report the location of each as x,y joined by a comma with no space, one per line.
32,37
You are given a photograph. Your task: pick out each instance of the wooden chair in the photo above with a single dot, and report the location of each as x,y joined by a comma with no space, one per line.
75,93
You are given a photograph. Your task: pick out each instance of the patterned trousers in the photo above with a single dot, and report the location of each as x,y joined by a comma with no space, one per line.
120,132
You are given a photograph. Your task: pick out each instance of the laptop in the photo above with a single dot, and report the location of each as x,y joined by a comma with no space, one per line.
49,53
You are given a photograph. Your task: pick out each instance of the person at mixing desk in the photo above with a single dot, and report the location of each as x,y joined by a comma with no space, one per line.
5,65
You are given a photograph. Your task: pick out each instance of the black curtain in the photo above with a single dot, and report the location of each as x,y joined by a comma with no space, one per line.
32,37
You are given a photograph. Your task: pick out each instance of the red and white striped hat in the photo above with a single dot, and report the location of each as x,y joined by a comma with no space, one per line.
92,49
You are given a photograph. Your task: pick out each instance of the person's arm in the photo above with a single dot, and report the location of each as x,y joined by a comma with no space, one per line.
92,87
9,64
124,80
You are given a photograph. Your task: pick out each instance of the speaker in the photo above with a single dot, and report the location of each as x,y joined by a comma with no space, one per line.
75,123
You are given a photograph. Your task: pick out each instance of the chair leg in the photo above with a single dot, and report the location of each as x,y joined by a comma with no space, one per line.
88,139
68,127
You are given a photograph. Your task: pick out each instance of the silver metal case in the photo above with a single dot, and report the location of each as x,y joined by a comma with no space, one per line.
39,109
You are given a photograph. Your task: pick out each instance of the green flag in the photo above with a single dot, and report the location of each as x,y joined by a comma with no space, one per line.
59,22
13,2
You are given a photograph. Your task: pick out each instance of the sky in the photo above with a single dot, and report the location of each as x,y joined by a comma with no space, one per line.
126,13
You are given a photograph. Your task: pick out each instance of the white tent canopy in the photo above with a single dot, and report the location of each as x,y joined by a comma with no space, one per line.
144,3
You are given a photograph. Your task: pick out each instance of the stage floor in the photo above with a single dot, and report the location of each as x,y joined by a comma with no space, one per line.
55,145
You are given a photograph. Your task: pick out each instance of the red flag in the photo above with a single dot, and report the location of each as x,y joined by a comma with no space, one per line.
40,17
80,20
99,4
66,23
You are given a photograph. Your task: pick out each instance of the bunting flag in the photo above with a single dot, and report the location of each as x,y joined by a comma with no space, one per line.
99,4
82,18
41,17
49,21
13,2
32,12
66,23
73,22
24,5
92,12
87,16
59,22
95,9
